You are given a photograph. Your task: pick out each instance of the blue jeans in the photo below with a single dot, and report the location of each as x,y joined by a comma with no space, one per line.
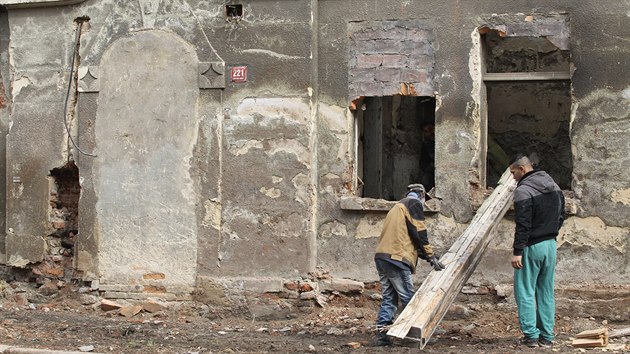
396,285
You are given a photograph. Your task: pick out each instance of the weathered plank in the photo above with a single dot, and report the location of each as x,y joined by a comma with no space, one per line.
588,342
593,333
438,291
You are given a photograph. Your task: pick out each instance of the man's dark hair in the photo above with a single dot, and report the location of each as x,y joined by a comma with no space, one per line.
520,159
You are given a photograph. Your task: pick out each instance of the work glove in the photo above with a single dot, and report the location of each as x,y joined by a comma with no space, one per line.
435,263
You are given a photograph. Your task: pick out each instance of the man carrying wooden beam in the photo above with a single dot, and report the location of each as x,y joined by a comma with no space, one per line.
403,240
539,214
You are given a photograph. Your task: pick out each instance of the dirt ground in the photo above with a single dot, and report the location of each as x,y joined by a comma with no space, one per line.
343,325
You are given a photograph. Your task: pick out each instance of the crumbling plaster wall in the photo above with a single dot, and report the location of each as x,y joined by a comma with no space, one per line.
38,56
266,189
598,233
5,85
272,156
601,117
251,154
347,238
192,130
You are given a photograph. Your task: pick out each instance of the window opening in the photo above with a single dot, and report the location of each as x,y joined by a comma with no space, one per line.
234,12
395,145
528,94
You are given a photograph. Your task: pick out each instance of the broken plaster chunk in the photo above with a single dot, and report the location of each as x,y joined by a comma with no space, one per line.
271,192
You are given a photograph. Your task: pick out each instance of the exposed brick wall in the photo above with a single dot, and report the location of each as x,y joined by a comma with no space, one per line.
63,215
390,57
3,98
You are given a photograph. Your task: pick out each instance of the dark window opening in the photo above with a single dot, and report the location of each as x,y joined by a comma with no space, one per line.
234,12
396,145
532,118
528,113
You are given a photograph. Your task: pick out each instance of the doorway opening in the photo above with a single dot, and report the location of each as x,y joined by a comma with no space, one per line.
395,145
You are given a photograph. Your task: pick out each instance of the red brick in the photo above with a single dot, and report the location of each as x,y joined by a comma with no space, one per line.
59,224
387,74
291,285
394,60
411,75
154,276
369,60
305,287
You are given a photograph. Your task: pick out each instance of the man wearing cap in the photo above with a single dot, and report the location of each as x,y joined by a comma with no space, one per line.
403,240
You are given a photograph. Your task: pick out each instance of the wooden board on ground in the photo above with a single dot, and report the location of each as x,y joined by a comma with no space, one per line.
588,342
591,338
429,304
593,333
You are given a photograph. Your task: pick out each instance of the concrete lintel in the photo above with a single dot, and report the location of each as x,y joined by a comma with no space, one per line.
554,27
17,4
528,76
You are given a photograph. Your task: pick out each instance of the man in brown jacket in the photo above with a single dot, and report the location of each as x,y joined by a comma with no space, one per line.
403,240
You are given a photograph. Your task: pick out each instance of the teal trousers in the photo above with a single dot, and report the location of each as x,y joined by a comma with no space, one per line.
533,290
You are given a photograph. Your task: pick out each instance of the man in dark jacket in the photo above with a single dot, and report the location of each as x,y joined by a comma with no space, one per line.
539,214
403,240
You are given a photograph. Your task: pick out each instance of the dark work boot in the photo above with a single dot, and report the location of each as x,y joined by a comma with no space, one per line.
530,342
382,339
545,343
381,335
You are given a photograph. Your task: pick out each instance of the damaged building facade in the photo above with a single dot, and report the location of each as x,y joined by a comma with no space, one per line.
183,148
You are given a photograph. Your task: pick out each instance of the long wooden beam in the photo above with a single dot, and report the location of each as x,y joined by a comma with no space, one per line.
430,303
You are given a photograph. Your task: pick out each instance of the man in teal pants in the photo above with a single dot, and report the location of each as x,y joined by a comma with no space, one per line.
539,214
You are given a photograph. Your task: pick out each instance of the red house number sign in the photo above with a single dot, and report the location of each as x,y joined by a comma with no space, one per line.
238,73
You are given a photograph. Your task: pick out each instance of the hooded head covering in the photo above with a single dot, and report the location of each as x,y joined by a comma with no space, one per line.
416,191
